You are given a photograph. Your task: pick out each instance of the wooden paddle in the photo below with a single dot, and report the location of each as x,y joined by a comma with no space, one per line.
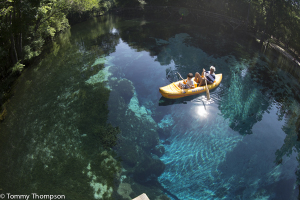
182,80
207,90
180,76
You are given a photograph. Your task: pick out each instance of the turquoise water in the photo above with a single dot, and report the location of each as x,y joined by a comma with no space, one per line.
59,135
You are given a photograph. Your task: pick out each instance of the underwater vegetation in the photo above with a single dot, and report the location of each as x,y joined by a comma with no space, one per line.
91,104
3,114
94,69
62,174
105,135
104,171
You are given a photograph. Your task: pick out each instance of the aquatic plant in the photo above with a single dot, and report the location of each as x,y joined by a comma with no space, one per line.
92,70
3,114
106,135
103,170
62,174
92,106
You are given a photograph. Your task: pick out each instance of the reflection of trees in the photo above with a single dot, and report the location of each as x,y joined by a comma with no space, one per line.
97,33
284,89
141,36
291,128
280,85
243,104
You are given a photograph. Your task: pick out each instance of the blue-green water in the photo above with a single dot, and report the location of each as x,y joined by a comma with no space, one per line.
241,144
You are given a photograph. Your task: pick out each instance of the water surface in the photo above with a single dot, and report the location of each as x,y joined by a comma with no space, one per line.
105,73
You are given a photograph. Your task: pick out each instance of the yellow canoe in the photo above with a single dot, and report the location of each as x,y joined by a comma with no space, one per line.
172,91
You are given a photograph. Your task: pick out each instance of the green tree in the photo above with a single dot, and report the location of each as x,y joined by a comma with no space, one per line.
25,25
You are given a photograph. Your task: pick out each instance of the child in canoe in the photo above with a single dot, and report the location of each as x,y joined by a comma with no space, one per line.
188,83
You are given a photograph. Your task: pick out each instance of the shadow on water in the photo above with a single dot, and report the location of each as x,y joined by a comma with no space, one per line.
184,100
166,102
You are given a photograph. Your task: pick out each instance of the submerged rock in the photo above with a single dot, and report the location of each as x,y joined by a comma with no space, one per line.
158,150
101,172
130,154
162,197
122,90
140,111
125,190
166,122
101,190
166,142
165,126
104,73
148,169
164,134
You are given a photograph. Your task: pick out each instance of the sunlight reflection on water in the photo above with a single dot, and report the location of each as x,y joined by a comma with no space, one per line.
201,111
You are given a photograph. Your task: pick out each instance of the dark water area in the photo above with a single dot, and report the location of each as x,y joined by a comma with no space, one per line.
87,120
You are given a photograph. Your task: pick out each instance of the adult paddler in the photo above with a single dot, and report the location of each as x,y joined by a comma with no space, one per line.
208,75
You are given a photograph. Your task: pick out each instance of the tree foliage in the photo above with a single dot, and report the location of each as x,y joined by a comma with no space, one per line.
26,25
278,19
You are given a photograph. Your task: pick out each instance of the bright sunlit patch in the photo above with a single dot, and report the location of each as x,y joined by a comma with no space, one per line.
114,31
143,22
244,72
201,111
202,106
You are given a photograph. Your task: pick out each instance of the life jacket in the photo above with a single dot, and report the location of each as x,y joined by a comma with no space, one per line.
210,77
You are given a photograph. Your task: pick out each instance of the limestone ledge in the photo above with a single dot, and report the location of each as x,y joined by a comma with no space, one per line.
101,189
103,74
167,121
140,111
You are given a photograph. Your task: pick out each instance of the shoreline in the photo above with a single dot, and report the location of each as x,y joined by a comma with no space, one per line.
284,52
275,44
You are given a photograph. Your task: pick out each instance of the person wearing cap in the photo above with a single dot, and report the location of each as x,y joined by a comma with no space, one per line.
208,75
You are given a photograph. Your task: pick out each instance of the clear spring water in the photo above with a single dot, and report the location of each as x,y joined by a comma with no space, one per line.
241,144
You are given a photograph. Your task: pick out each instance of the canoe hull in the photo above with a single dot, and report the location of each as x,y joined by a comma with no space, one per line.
172,91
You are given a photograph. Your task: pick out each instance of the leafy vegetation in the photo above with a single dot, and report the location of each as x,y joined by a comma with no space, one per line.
278,19
26,25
